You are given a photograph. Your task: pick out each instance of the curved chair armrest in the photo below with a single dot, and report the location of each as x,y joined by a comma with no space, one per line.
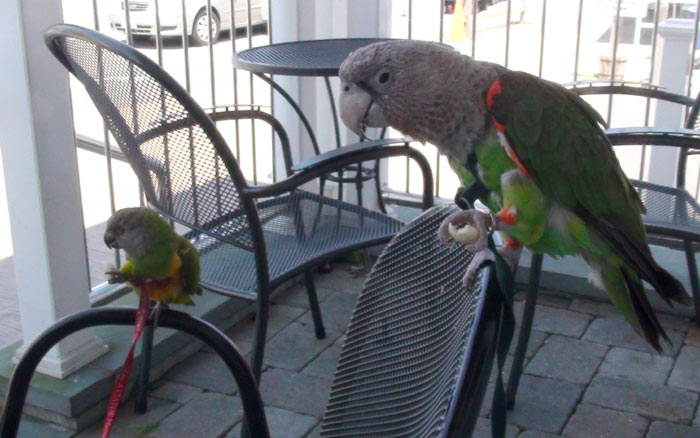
683,138
254,413
340,158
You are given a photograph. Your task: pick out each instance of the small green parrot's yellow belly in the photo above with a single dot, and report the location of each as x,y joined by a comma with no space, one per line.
168,288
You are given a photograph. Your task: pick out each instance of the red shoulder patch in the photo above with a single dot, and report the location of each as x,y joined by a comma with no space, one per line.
494,89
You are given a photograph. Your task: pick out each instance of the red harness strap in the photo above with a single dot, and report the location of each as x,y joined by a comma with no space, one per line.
120,384
494,90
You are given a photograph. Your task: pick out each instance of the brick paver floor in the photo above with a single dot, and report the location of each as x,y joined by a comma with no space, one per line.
587,375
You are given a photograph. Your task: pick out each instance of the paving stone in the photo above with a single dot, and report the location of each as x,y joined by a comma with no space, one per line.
693,336
343,279
296,346
672,322
295,392
336,311
686,371
31,428
206,371
662,429
618,332
207,415
636,365
296,296
560,321
315,433
595,422
176,392
324,364
596,308
483,429
280,317
129,424
543,404
282,423
654,401
536,339
552,300
536,434
567,359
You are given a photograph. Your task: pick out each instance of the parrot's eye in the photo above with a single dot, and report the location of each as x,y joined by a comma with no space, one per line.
384,77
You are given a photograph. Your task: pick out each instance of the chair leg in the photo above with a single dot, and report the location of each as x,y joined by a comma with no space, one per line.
525,329
141,400
261,317
313,304
693,274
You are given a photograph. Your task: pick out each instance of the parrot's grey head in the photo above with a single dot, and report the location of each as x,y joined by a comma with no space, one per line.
424,89
132,229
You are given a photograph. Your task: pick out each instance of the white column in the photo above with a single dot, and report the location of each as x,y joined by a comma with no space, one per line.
41,172
672,64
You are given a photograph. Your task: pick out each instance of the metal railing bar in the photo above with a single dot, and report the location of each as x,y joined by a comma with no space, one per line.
542,31
252,96
210,44
578,39
410,35
272,93
615,37
692,52
105,148
473,28
508,11
159,36
127,20
235,78
186,46
647,110
437,152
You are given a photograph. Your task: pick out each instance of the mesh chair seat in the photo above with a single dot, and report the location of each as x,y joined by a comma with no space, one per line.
669,208
299,229
409,339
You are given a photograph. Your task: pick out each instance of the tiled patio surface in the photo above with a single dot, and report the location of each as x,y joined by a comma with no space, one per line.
587,375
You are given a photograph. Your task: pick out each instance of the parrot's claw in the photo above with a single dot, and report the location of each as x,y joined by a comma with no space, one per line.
470,227
479,259
114,277
509,255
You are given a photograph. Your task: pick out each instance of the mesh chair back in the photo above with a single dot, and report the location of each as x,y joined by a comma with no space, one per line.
178,155
412,334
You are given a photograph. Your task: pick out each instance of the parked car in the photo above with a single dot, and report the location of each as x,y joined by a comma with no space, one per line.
143,20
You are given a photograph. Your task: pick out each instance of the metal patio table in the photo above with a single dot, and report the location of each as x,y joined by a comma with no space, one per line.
312,58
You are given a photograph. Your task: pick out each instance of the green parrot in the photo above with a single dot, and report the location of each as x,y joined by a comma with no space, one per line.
159,262
160,266
538,149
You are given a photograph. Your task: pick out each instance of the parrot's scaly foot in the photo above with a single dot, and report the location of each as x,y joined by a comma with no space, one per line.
479,258
470,227
113,275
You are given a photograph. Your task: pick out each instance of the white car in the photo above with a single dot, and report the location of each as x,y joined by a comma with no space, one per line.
142,17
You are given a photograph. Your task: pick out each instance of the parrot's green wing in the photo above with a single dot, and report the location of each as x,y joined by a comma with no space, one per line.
190,269
557,138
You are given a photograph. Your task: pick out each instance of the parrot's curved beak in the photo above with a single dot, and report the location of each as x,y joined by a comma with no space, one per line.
110,240
358,108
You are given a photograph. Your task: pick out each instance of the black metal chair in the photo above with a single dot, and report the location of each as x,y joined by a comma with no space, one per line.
673,214
419,348
416,359
254,414
252,238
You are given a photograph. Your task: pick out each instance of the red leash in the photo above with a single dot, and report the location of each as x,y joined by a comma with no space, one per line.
120,384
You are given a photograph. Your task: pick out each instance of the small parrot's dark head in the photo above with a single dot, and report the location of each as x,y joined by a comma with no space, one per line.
134,230
424,89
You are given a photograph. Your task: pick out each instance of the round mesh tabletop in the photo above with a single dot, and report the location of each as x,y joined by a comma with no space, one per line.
300,58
